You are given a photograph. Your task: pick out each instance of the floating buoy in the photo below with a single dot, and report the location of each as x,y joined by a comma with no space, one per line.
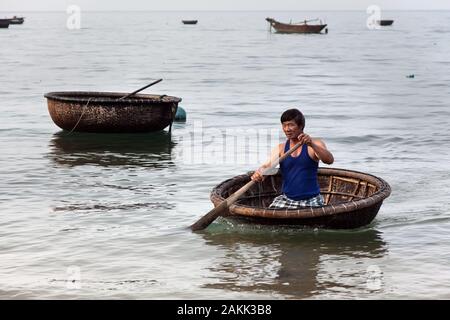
410,76
180,115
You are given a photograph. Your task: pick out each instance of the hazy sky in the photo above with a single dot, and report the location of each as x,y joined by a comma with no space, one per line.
61,5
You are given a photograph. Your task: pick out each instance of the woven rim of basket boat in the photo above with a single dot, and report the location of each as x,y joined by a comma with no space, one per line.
108,97
383,192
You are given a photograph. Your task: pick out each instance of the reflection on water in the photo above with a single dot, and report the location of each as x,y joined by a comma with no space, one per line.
143,150
289,263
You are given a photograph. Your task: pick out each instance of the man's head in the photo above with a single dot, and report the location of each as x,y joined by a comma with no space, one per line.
293,123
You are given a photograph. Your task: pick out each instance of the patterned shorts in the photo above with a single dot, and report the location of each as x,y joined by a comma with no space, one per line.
283,202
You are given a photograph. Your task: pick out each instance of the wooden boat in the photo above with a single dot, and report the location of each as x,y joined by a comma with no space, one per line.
385,22
104,112
352,200
16,20
189,21
303,27
4,23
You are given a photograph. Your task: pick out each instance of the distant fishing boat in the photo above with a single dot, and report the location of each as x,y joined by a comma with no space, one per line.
302,27
4,23
385,22
189,21
16,20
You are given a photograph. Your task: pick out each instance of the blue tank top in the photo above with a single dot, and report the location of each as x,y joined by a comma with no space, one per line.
299,175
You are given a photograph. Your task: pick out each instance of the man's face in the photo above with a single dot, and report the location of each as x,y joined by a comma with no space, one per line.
291,129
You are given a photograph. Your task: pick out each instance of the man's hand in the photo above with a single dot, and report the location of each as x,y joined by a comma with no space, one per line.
305,139
258,176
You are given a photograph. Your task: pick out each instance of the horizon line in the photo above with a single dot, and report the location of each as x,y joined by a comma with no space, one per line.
219,10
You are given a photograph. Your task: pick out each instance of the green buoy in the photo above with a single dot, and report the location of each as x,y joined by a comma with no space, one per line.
180,115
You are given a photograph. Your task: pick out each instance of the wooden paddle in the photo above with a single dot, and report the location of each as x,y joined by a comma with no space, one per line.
139,90
206,220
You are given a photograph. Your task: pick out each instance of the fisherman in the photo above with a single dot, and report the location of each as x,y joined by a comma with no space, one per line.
299,170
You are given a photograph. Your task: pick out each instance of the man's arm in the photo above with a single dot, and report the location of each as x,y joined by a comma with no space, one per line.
320,149
273,159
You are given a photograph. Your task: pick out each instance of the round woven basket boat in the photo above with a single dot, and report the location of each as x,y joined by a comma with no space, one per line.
352,200
104,112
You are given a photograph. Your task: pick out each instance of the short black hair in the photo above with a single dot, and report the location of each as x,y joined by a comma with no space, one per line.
294,114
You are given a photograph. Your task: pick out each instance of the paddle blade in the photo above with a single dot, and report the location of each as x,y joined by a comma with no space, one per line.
208,218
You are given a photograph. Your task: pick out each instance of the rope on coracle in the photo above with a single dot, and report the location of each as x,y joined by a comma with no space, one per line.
82,113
